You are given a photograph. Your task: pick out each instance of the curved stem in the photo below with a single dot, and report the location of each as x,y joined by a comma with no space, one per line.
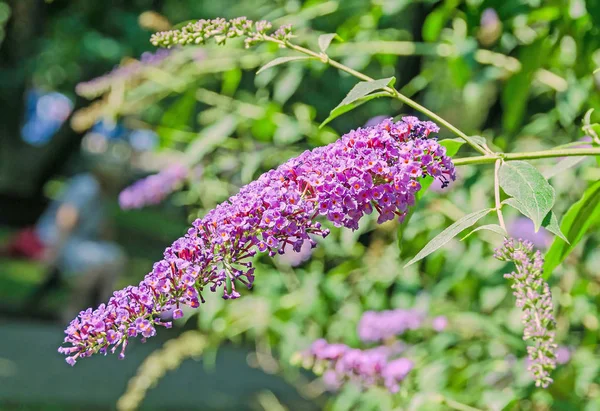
497,195
391,90
531,155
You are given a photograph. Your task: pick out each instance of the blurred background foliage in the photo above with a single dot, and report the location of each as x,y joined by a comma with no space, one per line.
518,72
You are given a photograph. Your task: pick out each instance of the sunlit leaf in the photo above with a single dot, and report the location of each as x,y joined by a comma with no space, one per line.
282,60
452,145
562,166
524,182
287,84
326,39
582,215
489,227
360,95
449,233
550,222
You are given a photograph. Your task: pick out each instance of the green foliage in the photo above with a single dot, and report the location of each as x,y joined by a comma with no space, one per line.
526,89
281,60
532,194
360,94
326,39
449,233
580,217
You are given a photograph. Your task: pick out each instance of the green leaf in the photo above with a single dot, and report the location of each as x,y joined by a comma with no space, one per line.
433,24
425,184
363,88
175,122
524,182
360,95
479,140
449,233
282,60
326,39
562,166
490,227
452,145
178,115
287,84
577,221
587,117
550,223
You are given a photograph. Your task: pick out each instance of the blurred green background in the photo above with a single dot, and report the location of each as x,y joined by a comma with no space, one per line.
518,72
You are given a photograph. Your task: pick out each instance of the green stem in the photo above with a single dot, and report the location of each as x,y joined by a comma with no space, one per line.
497,195
391,90
532,155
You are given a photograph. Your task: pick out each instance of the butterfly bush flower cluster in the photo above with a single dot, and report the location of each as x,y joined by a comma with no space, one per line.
381,365
340,364
376,168
99,85
535,299
221,30
153,189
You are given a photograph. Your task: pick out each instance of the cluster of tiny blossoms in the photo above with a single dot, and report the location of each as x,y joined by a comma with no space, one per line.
534,297
152,189
372,168
99,85
380,365
340,364
220,29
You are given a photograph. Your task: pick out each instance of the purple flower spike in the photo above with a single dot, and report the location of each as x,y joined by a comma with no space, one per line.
274,214
153,189
374,366
534,298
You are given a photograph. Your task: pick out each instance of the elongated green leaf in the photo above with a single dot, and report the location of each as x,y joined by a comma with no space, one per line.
449,233
479,140
524,182
359,95
339,110
550,222
452,145
282,60
577,221
587,117
562,166
326,39
489,227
